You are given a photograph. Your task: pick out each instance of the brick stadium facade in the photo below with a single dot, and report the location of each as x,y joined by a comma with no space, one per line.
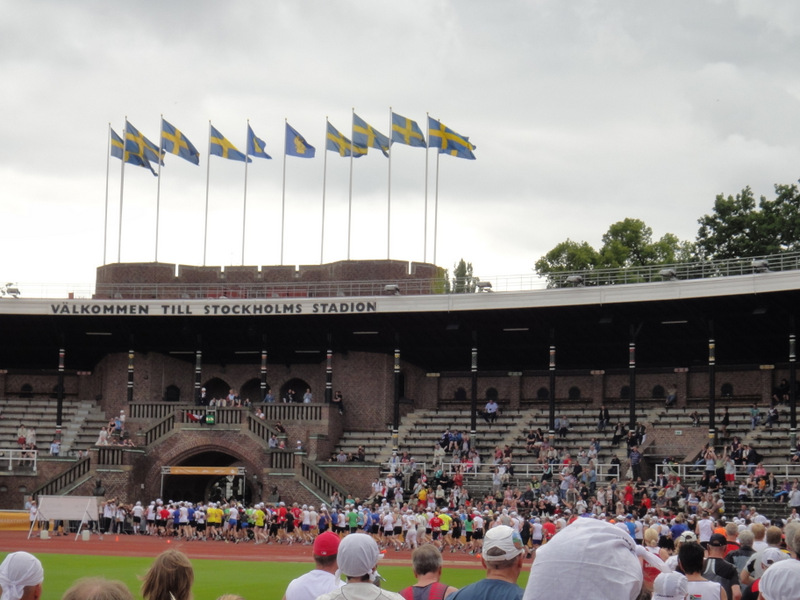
434,365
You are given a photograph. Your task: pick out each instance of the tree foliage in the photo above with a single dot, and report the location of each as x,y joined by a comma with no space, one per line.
463,281
627,243
738,227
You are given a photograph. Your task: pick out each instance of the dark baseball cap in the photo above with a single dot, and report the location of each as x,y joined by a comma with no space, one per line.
718,539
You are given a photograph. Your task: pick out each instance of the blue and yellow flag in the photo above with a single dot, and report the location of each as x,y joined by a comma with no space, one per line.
406,131
365,136
255,145
296,144
118,151
174,142
448,141
220,146
138,145
337,142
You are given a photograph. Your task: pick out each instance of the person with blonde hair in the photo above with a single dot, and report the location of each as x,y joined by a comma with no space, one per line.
97,588
170,577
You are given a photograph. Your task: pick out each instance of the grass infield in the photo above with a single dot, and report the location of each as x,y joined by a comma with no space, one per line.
253,580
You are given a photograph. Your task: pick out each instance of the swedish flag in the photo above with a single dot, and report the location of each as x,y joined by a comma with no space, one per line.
296,144
365,136
406,131
337,142
220,146
255,145
448,141
118,151
138,145
174,142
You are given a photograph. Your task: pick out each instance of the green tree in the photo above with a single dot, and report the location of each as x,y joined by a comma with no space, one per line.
463,281
568,256
733,229
627,243
781,219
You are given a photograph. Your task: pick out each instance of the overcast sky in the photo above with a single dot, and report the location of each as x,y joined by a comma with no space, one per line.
583,113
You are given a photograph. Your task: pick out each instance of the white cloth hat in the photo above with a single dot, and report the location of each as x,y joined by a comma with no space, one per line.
781,581
503,538
670,586
596,558
18,571
358,555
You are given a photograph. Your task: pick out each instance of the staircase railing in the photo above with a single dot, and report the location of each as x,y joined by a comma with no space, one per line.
58,483
320,480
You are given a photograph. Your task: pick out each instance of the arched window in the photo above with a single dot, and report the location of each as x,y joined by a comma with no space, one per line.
625,392
298,386
172,394
252,390
727,390
658,391
216,388
542,393
26,391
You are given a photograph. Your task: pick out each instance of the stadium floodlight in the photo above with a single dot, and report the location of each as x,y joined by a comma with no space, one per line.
574,280
668,274
483,286
760,265
392,288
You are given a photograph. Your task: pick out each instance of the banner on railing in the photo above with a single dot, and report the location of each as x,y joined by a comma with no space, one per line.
202,470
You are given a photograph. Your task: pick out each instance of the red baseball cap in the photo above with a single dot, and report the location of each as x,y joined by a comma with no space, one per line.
326,544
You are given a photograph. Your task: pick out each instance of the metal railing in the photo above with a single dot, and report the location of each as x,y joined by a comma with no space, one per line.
18,458
695,472
664,272
410,287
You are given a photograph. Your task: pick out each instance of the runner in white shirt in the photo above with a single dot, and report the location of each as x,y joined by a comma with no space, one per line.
137,511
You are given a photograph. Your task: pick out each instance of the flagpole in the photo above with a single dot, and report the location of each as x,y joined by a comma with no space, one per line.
425,230
436,209
208,173
244,209
389,194
108,168
324,187
350,191
158,192
283,188
121,189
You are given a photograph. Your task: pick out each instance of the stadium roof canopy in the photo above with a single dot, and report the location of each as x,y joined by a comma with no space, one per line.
749,317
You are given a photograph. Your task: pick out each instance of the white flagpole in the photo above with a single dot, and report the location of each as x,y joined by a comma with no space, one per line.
324,186
208,173
389,194
244,209
283,190
108,167
425,218
121,189
158,192
436,208
350,193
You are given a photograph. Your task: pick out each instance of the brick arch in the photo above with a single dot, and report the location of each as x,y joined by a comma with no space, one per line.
178,448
